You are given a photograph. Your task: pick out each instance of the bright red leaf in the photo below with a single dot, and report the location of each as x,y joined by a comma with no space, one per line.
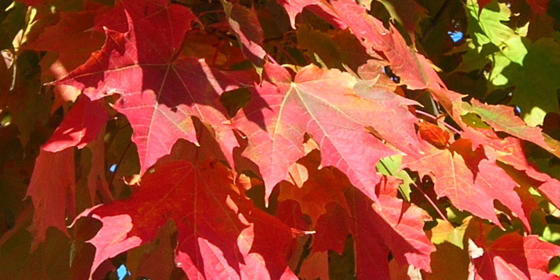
433,134
324,104
509,150
319,7
222,235
82,124
516,257
245,24
223,106
413,69
464,175
388,226
315,194
52,187
73,39
160,91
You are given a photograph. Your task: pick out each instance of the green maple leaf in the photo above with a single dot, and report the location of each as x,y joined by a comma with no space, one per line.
537,80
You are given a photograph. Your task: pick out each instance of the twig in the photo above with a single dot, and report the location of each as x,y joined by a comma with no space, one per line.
432,203
435,21
438,120
119,163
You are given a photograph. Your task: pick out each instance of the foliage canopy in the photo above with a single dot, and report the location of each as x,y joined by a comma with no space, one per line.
320,139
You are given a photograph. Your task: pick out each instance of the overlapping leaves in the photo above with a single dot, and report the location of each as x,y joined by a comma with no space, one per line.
336,111
149,71
162,90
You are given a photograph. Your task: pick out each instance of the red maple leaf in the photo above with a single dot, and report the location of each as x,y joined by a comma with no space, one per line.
320,7
539,6
82,124
52,185
433,134
73,39
464,175
483,3
413,69
509,150
323,187
324,104
221,234
502,118
160,91
387,226
513,256
245,24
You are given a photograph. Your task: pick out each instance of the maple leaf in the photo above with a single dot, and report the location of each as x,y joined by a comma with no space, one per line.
171,20
322,188
433,134
389,225
401,227
33,2
320,135
162,91
73,39
483,3
446,254
539,6
517,62
502,118
413,69
407,13
464,175
52,186
324,104
313,187
485,24
536,94
320,7
315,267
509,150
82,124
245,24
221,234
513,256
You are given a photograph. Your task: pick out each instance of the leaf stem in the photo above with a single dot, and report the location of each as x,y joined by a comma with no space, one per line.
210,12
281,49
432,117
431,202
435,21
119,163
271,59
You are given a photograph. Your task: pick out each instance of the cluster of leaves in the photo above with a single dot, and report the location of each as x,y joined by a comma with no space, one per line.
280,139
